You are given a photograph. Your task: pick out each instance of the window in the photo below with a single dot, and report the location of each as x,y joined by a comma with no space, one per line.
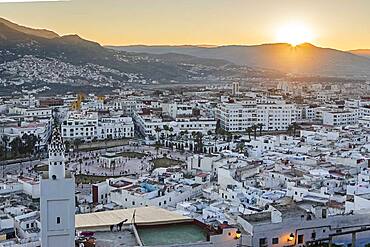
263,242
58,220
275,241
300,239
313,235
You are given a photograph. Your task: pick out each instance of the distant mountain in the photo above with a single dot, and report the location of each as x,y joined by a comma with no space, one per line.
361,52
31,31
302,59
29,52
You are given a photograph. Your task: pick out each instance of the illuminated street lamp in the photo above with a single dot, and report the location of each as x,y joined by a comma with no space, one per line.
238,234
291,237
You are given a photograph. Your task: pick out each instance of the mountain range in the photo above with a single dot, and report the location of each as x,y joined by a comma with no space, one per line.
166,64
361,52
42,57
301,59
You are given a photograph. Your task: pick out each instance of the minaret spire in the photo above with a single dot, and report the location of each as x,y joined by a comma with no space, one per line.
56,151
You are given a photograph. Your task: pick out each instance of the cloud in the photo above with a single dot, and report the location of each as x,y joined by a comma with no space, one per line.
30,1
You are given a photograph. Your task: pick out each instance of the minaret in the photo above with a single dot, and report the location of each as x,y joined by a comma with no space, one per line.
57,201
56,151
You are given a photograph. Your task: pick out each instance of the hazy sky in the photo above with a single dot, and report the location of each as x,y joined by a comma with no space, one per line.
342,24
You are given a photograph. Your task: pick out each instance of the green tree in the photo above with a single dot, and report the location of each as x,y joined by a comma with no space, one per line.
5,140
16,145
77,143
67,144
199,142
157,130
29,143
249,131
157,146
240,147
80,163
295,127
260,126
218,127
2,151
254,128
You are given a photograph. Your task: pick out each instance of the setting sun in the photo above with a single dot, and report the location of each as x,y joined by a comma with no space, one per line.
294,34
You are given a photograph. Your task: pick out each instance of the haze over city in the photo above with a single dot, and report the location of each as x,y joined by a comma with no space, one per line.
337,24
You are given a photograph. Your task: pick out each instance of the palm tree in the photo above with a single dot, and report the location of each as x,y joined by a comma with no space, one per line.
290,129
249,131
157,146
38,140
218,127
254,128
80,162
5,140
295,127
260,126
199,141
229,136
157,130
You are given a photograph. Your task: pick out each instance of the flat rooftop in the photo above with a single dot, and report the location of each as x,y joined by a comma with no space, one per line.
143,216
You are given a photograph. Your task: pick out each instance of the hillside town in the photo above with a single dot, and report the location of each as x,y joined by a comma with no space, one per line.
284,164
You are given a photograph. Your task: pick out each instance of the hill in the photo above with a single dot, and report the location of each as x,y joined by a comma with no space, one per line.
31,31
361,52
43,58
302,59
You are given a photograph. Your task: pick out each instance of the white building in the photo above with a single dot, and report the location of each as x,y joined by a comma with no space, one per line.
273,115
340,117
57,202
147,124
276,116
12,128
235,89
175,109
235,117
149,193
88,126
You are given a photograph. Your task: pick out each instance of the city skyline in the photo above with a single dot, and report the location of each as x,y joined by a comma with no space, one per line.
343,25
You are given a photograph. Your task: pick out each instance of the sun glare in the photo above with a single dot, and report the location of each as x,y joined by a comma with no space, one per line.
294,34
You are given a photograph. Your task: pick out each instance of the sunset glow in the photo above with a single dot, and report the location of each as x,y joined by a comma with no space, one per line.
294,34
